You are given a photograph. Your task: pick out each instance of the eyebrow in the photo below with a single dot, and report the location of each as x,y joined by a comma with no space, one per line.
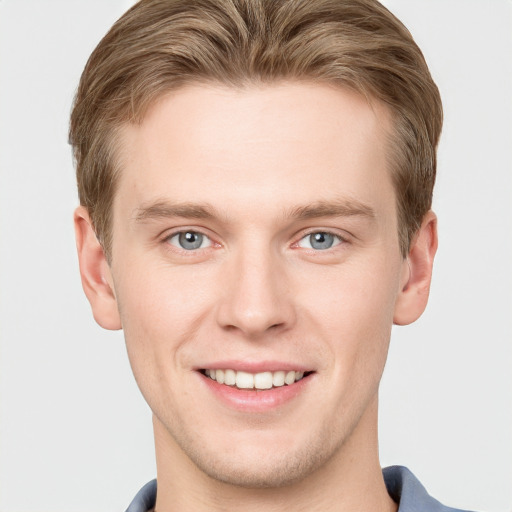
336,208
162,209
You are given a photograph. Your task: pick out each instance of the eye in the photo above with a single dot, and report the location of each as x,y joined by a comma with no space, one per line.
319,241
189,240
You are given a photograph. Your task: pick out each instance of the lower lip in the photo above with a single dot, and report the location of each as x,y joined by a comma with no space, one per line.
256,400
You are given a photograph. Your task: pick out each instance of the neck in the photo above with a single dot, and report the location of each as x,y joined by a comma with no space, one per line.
351,480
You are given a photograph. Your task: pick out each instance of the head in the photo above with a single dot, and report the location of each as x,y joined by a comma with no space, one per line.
255,180
160,46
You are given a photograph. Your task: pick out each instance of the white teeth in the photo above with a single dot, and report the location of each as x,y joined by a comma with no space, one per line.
290,378
244,380
278,379
263,380
230,377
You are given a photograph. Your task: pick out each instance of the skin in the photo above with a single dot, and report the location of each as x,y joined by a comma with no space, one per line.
256,171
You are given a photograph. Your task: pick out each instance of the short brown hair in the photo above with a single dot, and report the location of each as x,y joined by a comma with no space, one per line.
160,45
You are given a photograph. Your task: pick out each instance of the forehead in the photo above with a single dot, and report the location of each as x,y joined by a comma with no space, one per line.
284,144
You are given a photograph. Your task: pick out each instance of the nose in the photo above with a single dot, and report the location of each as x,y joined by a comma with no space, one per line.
256,295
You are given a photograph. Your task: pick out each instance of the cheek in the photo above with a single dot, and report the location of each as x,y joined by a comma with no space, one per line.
352,307
154,297
161,309
360,294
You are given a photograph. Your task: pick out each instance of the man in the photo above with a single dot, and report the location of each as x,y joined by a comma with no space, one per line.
255,181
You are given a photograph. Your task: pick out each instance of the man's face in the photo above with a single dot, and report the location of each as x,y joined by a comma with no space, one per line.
255,231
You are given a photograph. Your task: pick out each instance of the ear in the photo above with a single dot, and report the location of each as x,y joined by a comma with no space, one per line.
417,273
95,273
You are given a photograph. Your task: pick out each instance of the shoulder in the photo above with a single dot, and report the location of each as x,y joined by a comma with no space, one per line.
145,499
407,491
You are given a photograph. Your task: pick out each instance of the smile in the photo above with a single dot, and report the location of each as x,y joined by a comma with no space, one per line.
262,380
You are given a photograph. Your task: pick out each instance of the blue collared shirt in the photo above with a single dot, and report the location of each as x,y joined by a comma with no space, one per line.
402,485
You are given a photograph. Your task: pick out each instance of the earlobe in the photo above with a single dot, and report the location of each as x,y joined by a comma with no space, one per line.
417,273
95,273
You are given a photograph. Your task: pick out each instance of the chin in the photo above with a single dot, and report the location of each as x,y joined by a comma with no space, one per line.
263,467
266,474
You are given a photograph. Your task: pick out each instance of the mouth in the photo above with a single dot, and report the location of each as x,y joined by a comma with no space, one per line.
255,381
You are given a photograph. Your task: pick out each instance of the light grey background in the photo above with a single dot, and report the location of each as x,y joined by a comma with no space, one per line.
75,434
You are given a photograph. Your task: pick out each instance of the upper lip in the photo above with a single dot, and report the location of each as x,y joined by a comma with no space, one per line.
255,366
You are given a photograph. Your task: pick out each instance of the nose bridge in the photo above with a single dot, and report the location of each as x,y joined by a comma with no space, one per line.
256,298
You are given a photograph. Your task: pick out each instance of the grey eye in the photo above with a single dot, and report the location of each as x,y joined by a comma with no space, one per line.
319,241
189,240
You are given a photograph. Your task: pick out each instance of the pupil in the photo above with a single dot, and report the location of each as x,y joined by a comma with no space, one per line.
190,240
321,241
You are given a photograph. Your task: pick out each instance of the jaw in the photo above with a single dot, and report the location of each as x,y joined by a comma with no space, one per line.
255,472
